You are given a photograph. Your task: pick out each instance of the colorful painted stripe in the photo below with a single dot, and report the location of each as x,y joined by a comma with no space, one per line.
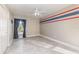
63,12
66,15
62,19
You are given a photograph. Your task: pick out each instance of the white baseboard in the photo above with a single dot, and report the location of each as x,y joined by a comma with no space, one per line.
61,42
64,51
10,43
33,35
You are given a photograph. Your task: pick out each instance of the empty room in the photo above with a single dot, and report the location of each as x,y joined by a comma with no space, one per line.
39,28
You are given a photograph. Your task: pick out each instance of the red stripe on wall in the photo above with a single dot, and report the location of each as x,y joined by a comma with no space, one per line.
63,12
63,19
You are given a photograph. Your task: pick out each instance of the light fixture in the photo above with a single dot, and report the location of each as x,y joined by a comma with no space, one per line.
36,13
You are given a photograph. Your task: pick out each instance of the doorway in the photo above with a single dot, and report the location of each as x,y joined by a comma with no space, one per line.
19,28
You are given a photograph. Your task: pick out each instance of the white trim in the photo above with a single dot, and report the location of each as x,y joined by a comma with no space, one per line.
33,35
62,50
61,42
10,43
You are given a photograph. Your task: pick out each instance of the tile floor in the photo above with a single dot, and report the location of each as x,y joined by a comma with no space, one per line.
36,45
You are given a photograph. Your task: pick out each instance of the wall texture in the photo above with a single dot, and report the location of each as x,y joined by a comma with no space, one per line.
32,27
63,27
5,28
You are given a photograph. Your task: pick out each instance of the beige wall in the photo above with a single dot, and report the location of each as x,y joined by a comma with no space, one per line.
64,31
32,27
5,28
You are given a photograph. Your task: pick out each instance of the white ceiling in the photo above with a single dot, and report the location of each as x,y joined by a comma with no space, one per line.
27,10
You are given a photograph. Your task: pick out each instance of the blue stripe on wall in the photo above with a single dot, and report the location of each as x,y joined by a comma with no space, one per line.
66,15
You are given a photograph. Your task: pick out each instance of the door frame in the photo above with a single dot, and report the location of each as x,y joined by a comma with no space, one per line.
15,36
